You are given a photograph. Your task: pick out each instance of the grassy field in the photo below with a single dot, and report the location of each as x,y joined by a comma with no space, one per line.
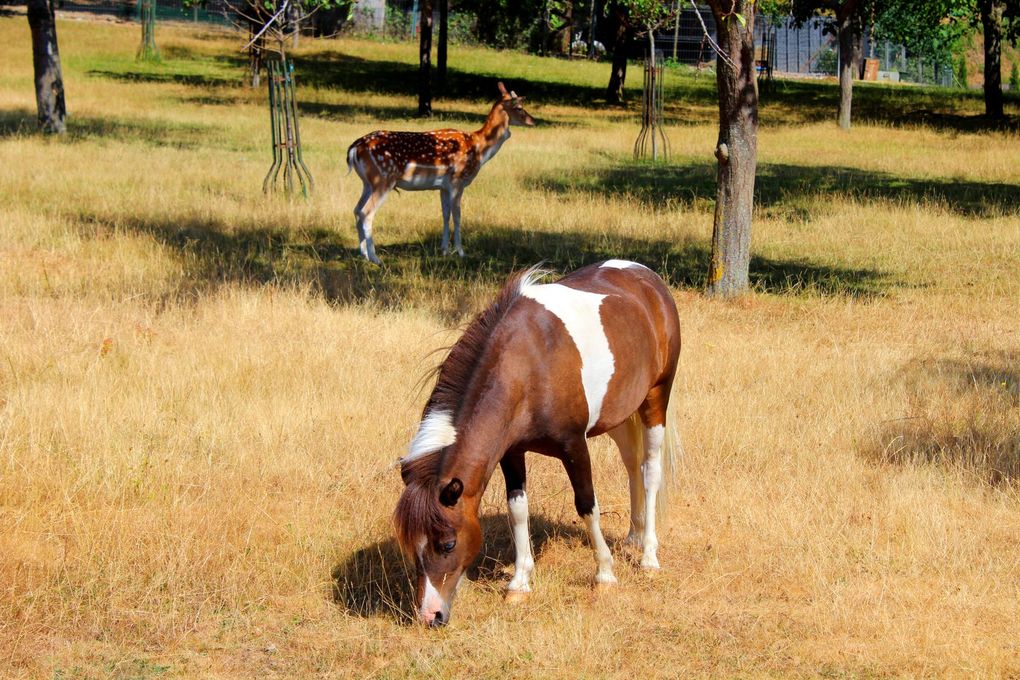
202,389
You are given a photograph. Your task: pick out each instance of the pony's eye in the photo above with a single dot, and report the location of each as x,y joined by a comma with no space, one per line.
448,546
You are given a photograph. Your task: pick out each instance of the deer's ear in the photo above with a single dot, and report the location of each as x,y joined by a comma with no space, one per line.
451,493
502,90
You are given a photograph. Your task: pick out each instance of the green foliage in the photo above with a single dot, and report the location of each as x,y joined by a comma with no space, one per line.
505,23
1014,78
827,62
650,14
961,71
927,29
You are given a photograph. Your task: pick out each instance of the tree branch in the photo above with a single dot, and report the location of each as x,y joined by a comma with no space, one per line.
715,46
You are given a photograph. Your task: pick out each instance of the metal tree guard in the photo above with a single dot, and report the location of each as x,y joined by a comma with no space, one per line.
283,120
148,51
652,133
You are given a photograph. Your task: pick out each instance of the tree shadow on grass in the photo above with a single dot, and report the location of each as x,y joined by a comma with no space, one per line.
338,70
22,122
794,102
963,413
167,75
348,111
782,186
213,253
378,581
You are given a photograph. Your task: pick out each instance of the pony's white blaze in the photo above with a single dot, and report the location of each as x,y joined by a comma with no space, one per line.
431,602
620,264
435,432
579,312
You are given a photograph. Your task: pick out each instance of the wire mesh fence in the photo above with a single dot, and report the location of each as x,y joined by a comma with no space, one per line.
209,11
783,47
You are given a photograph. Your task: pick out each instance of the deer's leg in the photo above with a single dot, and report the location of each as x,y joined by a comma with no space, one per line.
359,214
455,204
515,475
445,198
578,464
628,439
374,202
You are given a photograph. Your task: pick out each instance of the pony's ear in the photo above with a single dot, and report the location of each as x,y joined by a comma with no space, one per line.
502,89
451,493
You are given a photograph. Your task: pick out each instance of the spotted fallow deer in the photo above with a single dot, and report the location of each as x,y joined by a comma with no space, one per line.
446,160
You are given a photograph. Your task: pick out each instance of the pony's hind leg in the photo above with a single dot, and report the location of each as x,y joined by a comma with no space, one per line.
628,439
578,464
653,415
515,476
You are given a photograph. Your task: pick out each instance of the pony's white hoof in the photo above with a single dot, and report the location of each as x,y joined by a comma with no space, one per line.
514,597
650,563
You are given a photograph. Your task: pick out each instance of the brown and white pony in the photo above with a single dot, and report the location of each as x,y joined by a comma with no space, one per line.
443,160
542,369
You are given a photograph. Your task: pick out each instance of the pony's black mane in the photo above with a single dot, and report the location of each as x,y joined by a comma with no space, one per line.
454,374
419,512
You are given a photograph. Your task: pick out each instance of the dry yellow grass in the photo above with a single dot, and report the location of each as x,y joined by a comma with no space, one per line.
196,429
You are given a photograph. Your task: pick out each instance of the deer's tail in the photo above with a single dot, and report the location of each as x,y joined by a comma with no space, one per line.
352,153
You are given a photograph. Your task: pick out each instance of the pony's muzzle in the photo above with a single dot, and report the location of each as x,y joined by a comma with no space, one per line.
434,619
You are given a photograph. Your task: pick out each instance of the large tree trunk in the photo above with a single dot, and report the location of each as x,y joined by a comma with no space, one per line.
991,20
850,38
621,37
425,60
736,151
444,16
49,83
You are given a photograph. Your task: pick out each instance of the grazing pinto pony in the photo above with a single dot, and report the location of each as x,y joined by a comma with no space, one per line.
542,369
447,160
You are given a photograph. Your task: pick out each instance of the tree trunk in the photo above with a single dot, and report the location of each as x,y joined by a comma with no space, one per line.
850,48
425,60
621,41
991,20
444,12
737,149
49,83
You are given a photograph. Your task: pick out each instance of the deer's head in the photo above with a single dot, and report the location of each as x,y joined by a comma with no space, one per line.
514,107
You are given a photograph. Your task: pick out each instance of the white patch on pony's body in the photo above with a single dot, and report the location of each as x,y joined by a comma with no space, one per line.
435,432
579,312
620,264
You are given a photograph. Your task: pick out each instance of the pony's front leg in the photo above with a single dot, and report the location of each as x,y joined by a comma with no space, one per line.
515,475
578,465
628,439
